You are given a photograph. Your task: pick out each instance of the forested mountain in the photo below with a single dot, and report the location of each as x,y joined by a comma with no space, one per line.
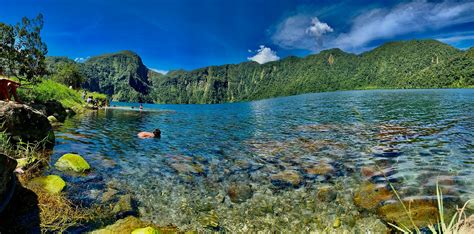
122,75
404,64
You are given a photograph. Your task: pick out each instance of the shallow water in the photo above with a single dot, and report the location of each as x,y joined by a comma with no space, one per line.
210,153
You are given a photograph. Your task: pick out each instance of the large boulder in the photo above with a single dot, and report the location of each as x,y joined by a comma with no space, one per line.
51,108
51,183
7,165
25,124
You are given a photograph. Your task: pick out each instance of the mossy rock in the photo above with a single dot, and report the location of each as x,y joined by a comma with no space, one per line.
124,205
133,225
52,119
146,230
72,162
52,183
125,226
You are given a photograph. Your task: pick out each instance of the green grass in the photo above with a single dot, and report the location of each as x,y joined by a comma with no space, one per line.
95,95
51,90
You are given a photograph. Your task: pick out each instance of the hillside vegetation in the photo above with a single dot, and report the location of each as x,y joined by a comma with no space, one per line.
407,64
403,64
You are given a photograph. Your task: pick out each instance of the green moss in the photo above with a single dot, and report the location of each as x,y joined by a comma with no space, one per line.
126,225
52,183
72,162
147,230
52,119
22,162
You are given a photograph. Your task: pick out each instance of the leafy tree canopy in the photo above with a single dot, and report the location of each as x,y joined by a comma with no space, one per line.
69,74
22,52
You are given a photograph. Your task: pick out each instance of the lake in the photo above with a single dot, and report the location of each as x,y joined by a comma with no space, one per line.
296,163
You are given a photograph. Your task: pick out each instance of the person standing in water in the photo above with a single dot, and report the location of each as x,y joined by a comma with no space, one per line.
154,134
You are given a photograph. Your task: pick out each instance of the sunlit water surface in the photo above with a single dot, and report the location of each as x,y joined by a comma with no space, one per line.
208,153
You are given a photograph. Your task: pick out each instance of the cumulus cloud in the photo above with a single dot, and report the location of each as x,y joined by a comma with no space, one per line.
415,16
301,31
264,55
81,59
305,31
318,28
164,72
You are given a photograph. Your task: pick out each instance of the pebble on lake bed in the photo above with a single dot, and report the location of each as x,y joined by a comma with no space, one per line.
239,192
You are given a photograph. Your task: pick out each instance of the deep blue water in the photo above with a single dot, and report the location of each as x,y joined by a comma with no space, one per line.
412,135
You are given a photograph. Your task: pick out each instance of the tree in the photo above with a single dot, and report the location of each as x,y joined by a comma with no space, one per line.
22,52
69,74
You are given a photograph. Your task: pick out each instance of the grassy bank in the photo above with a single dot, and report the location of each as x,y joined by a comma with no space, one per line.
51,90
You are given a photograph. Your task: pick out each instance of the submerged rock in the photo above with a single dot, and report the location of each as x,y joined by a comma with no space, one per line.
51,183
326,194
369,195
239,192
417,212
321,168
123,206
72,162
287,178
108,195
21,123
187,168
367,171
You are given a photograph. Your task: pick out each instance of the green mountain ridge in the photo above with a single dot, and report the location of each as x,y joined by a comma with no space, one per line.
121,75
401,64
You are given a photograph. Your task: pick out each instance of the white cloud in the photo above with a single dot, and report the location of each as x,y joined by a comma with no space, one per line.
81,59
415,16
301,31
164,72
456,39
264,55
305,31
318,28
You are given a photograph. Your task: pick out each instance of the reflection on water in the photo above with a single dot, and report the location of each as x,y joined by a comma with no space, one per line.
294,163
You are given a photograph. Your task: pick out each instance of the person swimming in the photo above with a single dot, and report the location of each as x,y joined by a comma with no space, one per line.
154,134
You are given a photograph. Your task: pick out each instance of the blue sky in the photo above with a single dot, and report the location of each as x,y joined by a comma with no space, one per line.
190,34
